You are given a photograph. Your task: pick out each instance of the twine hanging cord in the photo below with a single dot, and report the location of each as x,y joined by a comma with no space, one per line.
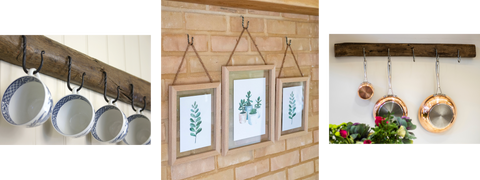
183,59
285,55
238,40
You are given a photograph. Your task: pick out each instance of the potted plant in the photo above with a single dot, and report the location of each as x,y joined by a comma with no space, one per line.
248,104
243,115
257,106
253,116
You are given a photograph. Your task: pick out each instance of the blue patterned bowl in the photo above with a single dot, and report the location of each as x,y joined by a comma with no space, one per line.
110,124
73,115
139,130
27,101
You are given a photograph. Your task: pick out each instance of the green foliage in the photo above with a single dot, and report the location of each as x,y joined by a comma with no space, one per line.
359,132
258,102
242,105
253,111
248,102
195,121
291,107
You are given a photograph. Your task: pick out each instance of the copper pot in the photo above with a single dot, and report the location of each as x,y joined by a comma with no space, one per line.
437,112
365,90
390,103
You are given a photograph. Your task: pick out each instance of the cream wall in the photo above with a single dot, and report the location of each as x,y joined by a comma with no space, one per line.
412,82
128,53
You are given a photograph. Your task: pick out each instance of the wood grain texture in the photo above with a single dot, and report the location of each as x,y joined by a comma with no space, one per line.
291,6
56,62
421,50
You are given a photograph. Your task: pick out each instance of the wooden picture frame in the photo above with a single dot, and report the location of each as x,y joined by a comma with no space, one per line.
172,125
279,106
226,105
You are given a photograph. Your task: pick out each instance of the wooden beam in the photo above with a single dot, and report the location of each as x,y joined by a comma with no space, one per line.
309,7
55,64
421,50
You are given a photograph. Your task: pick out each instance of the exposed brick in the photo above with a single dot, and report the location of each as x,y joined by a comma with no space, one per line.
226,9
310,29
255,24
309,153
315,136
178,42
314,177
314,42
304,59
266,13
252,169
295,16
268,44
170,64
246,60
280,27
224,161
173,20
284,160
164,109
183,5
313,18
223,175
164,172
212,63
315,105
313,120
299,141
314,74
318,165
205,22
277,147
301,170
194,78
293,71
300,44
193,168
164,152
161,131
277,59
277,176
227,43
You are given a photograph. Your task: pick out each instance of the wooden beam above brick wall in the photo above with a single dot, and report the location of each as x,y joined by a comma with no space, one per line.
309,7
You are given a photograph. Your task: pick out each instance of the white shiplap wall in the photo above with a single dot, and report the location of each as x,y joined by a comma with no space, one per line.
128,53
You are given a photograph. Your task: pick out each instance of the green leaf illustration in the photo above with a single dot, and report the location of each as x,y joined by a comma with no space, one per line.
291,110
195,121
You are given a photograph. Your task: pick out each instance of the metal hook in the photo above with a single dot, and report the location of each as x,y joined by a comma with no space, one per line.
458,55
242,23
25,57
144,103
286,41
105,89
188,39
131,95
413,52
69,70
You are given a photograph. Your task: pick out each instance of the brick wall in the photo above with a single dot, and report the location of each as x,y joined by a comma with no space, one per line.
215,30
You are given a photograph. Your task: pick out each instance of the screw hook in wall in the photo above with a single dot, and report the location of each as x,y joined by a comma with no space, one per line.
188,39
242,23
25,57
69,70
458,55
286,41
105,89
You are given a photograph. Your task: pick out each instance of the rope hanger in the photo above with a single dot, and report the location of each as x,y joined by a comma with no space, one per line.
285,55
183,59
245,28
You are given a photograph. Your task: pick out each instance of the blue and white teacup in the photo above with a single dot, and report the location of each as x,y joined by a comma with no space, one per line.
73,115
27,101
110,124
139,130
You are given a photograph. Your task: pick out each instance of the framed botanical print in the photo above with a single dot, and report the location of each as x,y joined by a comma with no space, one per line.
247,107
291,107
194,122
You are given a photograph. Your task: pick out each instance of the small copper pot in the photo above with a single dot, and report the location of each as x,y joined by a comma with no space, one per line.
437,112
365,90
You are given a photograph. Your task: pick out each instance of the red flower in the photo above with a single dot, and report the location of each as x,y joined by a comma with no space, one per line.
378,119
367,142
343,133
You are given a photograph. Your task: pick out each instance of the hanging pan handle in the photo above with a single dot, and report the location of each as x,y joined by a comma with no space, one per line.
389,69
364,66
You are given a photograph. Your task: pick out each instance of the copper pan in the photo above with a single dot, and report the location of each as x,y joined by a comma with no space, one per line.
437,112
365,90
390,103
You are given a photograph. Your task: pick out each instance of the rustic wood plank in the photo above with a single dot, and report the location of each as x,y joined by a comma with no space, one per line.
421,50
309,7
56,62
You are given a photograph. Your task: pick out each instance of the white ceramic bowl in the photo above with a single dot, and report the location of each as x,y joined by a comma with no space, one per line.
139,130
27,101
73,115
110,124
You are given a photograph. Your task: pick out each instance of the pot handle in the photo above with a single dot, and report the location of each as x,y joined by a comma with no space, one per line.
437,73
31,72
364,67
389,69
